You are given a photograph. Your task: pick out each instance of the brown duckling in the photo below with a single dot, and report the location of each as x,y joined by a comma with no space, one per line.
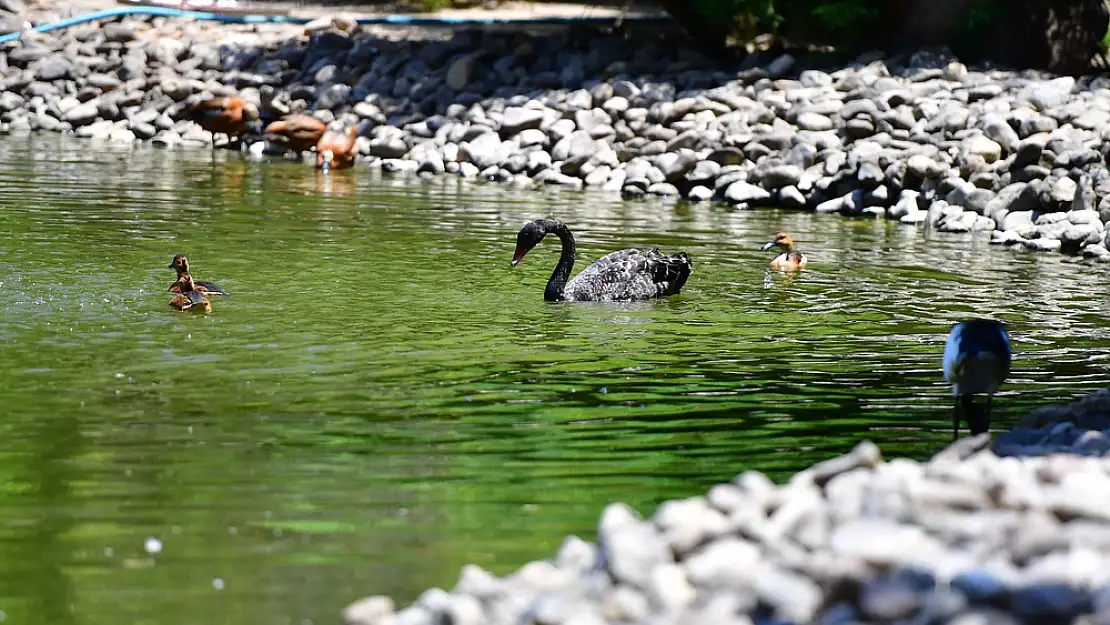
789,258
190,299
298,133
181,264
337,149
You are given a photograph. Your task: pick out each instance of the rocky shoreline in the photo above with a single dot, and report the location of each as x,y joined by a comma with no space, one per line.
1017,534
924,141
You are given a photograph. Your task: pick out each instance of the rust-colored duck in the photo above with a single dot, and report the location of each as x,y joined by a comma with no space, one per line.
223,115
789,258
298,133
190,299
337,149
181,264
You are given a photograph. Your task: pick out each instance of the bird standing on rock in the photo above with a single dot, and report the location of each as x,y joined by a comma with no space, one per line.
337,149
297,133
225,115
977,359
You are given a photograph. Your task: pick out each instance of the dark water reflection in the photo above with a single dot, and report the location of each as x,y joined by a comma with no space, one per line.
382,400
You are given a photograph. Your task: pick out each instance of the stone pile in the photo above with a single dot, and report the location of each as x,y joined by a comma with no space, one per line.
922,141
969,537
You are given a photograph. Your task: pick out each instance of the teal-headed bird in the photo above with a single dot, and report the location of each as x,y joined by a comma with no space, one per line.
976,360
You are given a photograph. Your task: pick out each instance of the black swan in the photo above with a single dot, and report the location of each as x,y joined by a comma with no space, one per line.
619,276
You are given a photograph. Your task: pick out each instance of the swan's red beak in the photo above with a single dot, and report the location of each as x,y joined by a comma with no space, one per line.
517,255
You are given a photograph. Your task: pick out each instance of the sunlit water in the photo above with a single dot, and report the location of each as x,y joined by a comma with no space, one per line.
383,400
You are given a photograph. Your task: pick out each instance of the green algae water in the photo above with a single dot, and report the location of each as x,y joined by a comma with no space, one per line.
383,399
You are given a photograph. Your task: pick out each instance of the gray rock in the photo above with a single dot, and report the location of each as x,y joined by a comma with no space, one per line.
728,563
700,194
165,50
675,165
781,176
56,67
665,189
483,151
870,175
1058,194
388,147
745,193
460,71
82,114
923,167
781,66
376,610
10,101
793,597
979,145
1050,603
791,197
630,548
1028,150
878,541
1048,94
518,118
890,599
1001,133
814,121
1075,236
1042,244
859,128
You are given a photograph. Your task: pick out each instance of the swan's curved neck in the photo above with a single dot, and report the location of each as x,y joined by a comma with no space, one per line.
559,277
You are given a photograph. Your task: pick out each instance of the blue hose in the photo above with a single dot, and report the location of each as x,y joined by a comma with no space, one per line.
406,20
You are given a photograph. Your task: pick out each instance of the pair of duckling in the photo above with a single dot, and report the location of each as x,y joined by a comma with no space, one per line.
192,295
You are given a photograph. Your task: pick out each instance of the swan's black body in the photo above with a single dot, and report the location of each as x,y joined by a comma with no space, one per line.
620,276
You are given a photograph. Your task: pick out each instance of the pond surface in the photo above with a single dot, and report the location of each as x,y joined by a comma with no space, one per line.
383,400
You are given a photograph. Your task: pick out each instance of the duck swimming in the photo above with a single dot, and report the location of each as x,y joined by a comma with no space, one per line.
181,264
789,257
619,276
190,299
977,360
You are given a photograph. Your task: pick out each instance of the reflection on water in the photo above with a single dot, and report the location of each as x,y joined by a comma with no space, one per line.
383,400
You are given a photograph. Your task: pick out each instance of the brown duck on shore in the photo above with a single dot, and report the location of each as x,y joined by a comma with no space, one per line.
337,149
224,115
297,133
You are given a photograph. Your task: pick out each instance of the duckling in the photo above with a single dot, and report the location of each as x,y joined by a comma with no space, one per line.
789,257
337,149
181,264
224,115
190,299
298,133
977,359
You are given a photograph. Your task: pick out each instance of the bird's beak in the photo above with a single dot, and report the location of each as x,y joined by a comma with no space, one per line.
517,255
768,245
